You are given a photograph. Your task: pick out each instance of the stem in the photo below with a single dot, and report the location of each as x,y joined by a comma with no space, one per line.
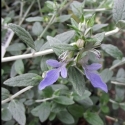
113,119
25,56
17,94
7,8
112,32
50,22
21,10
43,100
39,5
117,83
118,64
45,52
26,13
95,10
112,101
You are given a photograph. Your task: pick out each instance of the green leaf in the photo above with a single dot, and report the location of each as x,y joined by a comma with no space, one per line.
5,93
37,28
98,38
6,115
65,117
85,95
91,21
74,23
16,47
59,47
22,34
106,75
42,111
63,100
122,107
39,44
119,10
93,118
77,7
77,81
104,99
34,19
18,111
19,66
115,106
52,116
76,110
120,75
120,91
28,79
64,18
56,108
105,109
66,36
13,71
121,24
112,50
97,27
87,102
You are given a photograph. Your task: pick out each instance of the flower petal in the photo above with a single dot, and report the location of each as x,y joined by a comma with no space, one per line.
94,66
49,79
96,80
53,63
63,71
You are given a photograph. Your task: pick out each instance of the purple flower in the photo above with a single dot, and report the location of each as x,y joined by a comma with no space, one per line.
53,75
91,74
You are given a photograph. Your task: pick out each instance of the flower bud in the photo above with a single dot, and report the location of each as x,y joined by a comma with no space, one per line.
80,43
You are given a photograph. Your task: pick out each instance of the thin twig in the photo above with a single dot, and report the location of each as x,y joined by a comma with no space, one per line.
21,10
26,13
96,10
112,101
43,100
117,83
17,94
25,56
113,119
39,5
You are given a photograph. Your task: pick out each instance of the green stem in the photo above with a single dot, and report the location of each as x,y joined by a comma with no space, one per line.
7,8
39,5
21,10
26,13
50,22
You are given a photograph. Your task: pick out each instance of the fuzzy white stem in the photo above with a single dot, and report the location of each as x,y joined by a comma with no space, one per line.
25,56
95,10
45,52
112,32
17,94
117,83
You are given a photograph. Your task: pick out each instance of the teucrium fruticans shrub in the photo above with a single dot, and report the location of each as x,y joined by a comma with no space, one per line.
69,75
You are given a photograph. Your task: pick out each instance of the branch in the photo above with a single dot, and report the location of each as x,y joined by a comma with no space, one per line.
45,52
95,10
117,83
25,56
43,100
17,94
112,32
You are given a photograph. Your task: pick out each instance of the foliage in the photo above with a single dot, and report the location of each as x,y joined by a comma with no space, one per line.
72,37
